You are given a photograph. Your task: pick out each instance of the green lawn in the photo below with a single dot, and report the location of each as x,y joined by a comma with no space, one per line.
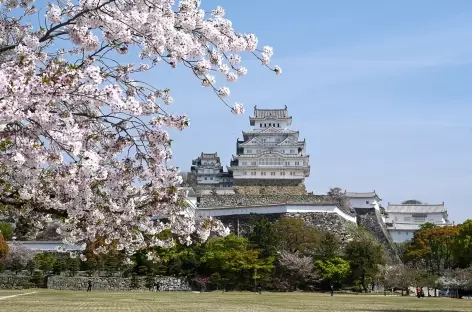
66,301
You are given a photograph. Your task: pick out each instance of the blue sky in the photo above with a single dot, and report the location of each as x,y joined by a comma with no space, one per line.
381,90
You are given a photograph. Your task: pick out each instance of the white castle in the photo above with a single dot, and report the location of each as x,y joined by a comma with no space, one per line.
270,150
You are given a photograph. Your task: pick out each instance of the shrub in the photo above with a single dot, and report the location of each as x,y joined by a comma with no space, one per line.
6,230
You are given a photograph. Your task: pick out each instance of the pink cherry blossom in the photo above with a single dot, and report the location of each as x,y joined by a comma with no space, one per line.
82,139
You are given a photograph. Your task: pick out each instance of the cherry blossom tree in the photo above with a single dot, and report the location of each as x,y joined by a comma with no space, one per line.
83,140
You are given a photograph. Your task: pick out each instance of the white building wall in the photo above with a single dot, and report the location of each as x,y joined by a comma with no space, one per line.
365,202
401,236
436,218
213,212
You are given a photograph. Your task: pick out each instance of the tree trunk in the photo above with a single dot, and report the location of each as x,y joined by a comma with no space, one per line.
363,283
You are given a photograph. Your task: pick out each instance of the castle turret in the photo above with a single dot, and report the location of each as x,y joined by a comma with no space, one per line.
270,151
209,172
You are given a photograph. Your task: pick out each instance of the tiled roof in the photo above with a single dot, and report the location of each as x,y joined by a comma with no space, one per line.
439,208
404,226
271,131
410,226
209,155
277,113
361,195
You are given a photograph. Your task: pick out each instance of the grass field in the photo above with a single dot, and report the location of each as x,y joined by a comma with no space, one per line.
68,301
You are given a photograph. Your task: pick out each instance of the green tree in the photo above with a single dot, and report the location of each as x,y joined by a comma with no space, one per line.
366,256
297,237
263,236
412,202
238,265
432,248
463,245
330,246
45,261
73,265
333,270
60,266
6,230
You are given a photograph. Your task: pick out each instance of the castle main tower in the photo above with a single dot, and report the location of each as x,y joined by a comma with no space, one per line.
271,153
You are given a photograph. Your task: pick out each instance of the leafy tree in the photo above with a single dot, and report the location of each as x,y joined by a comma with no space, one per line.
412,202
333,270
329,247
236,263
297,269
296,236
463,245
432,248
263,236
6,230
366,256
45,261
60,265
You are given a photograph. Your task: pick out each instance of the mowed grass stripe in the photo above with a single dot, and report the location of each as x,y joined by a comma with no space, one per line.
69,301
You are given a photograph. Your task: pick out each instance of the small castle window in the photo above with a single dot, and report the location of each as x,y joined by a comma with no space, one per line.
367,202
297,163
265,125
272,173
244,173
261,125
278,125
253,173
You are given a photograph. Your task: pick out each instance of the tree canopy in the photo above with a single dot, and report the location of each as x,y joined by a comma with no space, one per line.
83,136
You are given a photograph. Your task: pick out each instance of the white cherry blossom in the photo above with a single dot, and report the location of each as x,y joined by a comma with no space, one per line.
82,138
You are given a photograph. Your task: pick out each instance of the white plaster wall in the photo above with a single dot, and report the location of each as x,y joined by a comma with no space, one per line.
401,236
436,218
361,203
213,212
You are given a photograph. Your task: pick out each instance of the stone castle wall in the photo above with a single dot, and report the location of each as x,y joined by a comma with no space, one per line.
322,221
239,200
371,220
14,281
115,283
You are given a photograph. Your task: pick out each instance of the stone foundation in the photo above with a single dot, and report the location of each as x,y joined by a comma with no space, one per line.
115,283
322,221
15,282
276,197
371,220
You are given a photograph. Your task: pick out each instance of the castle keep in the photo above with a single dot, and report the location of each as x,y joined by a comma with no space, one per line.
266,176
270,152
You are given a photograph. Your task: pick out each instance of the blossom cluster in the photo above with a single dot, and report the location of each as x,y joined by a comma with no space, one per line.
75,140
